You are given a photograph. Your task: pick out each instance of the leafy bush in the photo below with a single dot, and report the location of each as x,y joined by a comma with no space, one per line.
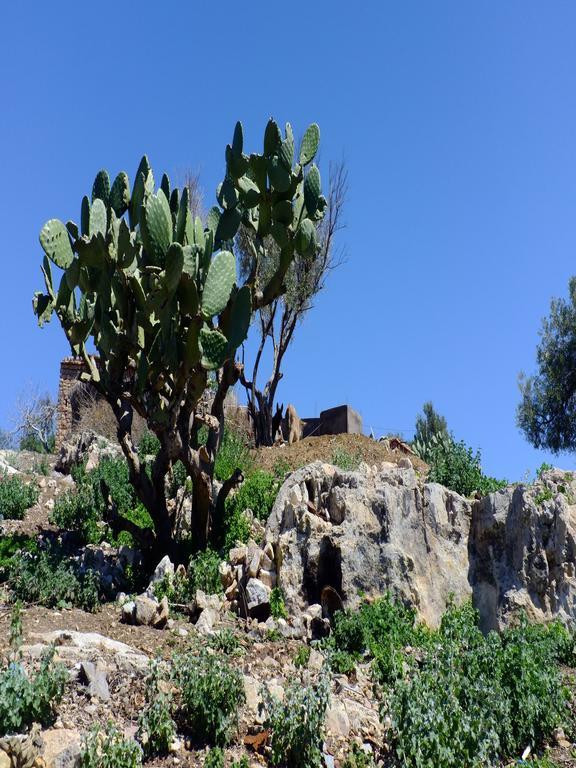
156,728
211,692
203,572
16,497
10,546
28,697
233,454
454,465
471,699
302,656
109,749
277,605
226,641
215,758
357,758
296,724
258,492
149,445
50,579
83,510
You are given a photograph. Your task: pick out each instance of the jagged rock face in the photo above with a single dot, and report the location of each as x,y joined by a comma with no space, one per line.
362,533
87,446
523,552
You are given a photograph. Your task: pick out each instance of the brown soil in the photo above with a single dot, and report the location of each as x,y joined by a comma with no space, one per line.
324,448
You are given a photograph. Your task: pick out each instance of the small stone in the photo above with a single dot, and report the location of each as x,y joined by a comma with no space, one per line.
314,611
254,565
128,612
268,578
164,568
94,675
238,555
258,599
316,660
145,610
205,623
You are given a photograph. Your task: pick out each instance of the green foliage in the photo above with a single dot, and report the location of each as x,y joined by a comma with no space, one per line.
107,748
234,454
277,605
302,656
345,460
215,758
83,510
429,424
149,444
28,697
16,497
258,492
296,723
10,546
544,495
471,699
544,467
225,641
547,411
357,758
156,728
49,578
211,692
203,572
455,465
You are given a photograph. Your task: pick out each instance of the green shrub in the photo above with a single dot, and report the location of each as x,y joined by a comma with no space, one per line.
149,444
258,492
109,749
28,697
277,605
471,699
544,495
302,656
156,728
233,454
203,572
225,641
215,758
211,692
454,465
357,758
51,579
83,510
16,497
345,460
11,546
296,724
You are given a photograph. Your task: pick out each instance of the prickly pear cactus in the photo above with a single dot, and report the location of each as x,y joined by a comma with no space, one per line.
156,292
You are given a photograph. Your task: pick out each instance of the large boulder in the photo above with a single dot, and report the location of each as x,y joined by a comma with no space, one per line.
523,552
363,533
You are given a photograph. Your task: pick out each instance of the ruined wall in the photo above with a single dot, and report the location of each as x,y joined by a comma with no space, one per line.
70,370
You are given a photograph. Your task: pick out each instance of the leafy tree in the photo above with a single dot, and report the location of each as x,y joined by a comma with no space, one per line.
428,424
157,296
547,412
275,324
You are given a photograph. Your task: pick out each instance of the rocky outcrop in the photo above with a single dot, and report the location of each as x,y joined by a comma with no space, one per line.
348,535
523,551
85,446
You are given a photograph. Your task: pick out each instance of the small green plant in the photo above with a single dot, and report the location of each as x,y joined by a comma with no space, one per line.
258,492
357,758
345,460
211,693
544,495
51,579
156,728
10,547
16,497
42,468
149,444
203,572
215,758
234,454
296,724
302,656
107,748
28,697
277,605
226,641
544,467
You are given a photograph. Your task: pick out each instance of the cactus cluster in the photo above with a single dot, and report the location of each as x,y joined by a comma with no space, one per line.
156,290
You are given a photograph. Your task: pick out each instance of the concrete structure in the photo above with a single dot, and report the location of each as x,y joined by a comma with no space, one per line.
334,421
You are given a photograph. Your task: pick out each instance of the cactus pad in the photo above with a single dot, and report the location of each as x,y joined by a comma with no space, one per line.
219,283
214,347
309,146
55,241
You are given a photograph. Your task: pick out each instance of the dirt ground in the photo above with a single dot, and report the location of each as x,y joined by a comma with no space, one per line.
324,448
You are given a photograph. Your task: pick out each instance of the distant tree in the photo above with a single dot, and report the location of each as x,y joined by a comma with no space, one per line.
35,422
276,323
547,412
429,424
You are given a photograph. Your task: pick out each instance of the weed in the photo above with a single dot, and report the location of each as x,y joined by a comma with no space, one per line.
109,749
302,656
156,728
345,460
277,605
544,495
16,497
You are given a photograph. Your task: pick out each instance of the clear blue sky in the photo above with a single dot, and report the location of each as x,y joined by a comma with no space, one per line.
458,124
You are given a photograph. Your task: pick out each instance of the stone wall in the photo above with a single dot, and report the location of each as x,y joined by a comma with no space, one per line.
70,370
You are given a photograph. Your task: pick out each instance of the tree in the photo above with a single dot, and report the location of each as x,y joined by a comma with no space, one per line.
156,293
547,412
428,424
277,322
35,422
